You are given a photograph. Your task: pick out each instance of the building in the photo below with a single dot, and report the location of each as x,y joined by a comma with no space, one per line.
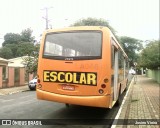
12,72
3,71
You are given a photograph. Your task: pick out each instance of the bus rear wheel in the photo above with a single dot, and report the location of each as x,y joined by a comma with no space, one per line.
118,102
126,86
67,105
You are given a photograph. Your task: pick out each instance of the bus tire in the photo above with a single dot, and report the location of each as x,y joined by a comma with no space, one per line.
118,102
67,105
126,86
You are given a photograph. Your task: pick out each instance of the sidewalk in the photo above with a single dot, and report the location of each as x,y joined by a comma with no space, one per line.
12,90
141,102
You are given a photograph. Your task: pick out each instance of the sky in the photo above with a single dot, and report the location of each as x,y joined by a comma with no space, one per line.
133,18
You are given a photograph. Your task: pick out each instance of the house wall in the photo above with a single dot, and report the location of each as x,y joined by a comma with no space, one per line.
22,76
15,73
154,74
3,63
10,82
11,77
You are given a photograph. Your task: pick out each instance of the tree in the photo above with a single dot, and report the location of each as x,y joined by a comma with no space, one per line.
6,53
19,44
131,46
25,48
150,56
31,62
26,35
13,47
94,22
11,38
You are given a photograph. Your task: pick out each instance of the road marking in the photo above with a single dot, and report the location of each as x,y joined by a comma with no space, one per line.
120,109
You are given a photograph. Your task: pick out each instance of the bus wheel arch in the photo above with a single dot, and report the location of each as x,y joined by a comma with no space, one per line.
67,105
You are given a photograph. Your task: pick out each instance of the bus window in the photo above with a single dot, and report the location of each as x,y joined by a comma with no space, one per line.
78,45
113,50
112,56
121,66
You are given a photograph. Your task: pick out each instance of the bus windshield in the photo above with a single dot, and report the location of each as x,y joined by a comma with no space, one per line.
79,45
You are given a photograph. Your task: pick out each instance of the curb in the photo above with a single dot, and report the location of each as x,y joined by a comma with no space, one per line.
10,91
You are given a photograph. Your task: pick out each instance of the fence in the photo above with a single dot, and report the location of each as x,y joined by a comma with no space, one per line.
12,76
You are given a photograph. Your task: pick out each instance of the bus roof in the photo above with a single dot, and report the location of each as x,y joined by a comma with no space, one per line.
77,28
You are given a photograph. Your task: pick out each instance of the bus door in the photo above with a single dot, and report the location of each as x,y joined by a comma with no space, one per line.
115,70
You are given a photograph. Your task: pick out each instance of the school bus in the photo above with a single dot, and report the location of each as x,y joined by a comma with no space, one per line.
82,66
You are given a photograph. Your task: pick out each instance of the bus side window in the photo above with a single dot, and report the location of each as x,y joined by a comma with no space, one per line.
121,66
113,51
112,56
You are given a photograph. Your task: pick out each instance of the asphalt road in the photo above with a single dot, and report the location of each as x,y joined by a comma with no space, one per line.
24,105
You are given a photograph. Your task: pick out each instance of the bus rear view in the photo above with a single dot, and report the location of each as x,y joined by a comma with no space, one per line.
72,68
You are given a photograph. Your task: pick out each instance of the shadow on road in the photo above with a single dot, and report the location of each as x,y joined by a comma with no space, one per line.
82,115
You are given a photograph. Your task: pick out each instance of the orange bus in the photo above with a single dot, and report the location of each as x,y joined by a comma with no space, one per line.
82,66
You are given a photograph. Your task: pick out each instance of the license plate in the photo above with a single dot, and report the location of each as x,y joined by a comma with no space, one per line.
68,87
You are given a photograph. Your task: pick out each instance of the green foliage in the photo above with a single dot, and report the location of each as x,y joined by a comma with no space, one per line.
94,22
11,38
13,48
6,53
26,35
131,46
31,62
150,56
25,48
19,44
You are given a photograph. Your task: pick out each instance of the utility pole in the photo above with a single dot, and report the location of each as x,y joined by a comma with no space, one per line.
46,16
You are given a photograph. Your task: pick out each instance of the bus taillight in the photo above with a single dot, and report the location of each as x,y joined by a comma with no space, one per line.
103,86
38,81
